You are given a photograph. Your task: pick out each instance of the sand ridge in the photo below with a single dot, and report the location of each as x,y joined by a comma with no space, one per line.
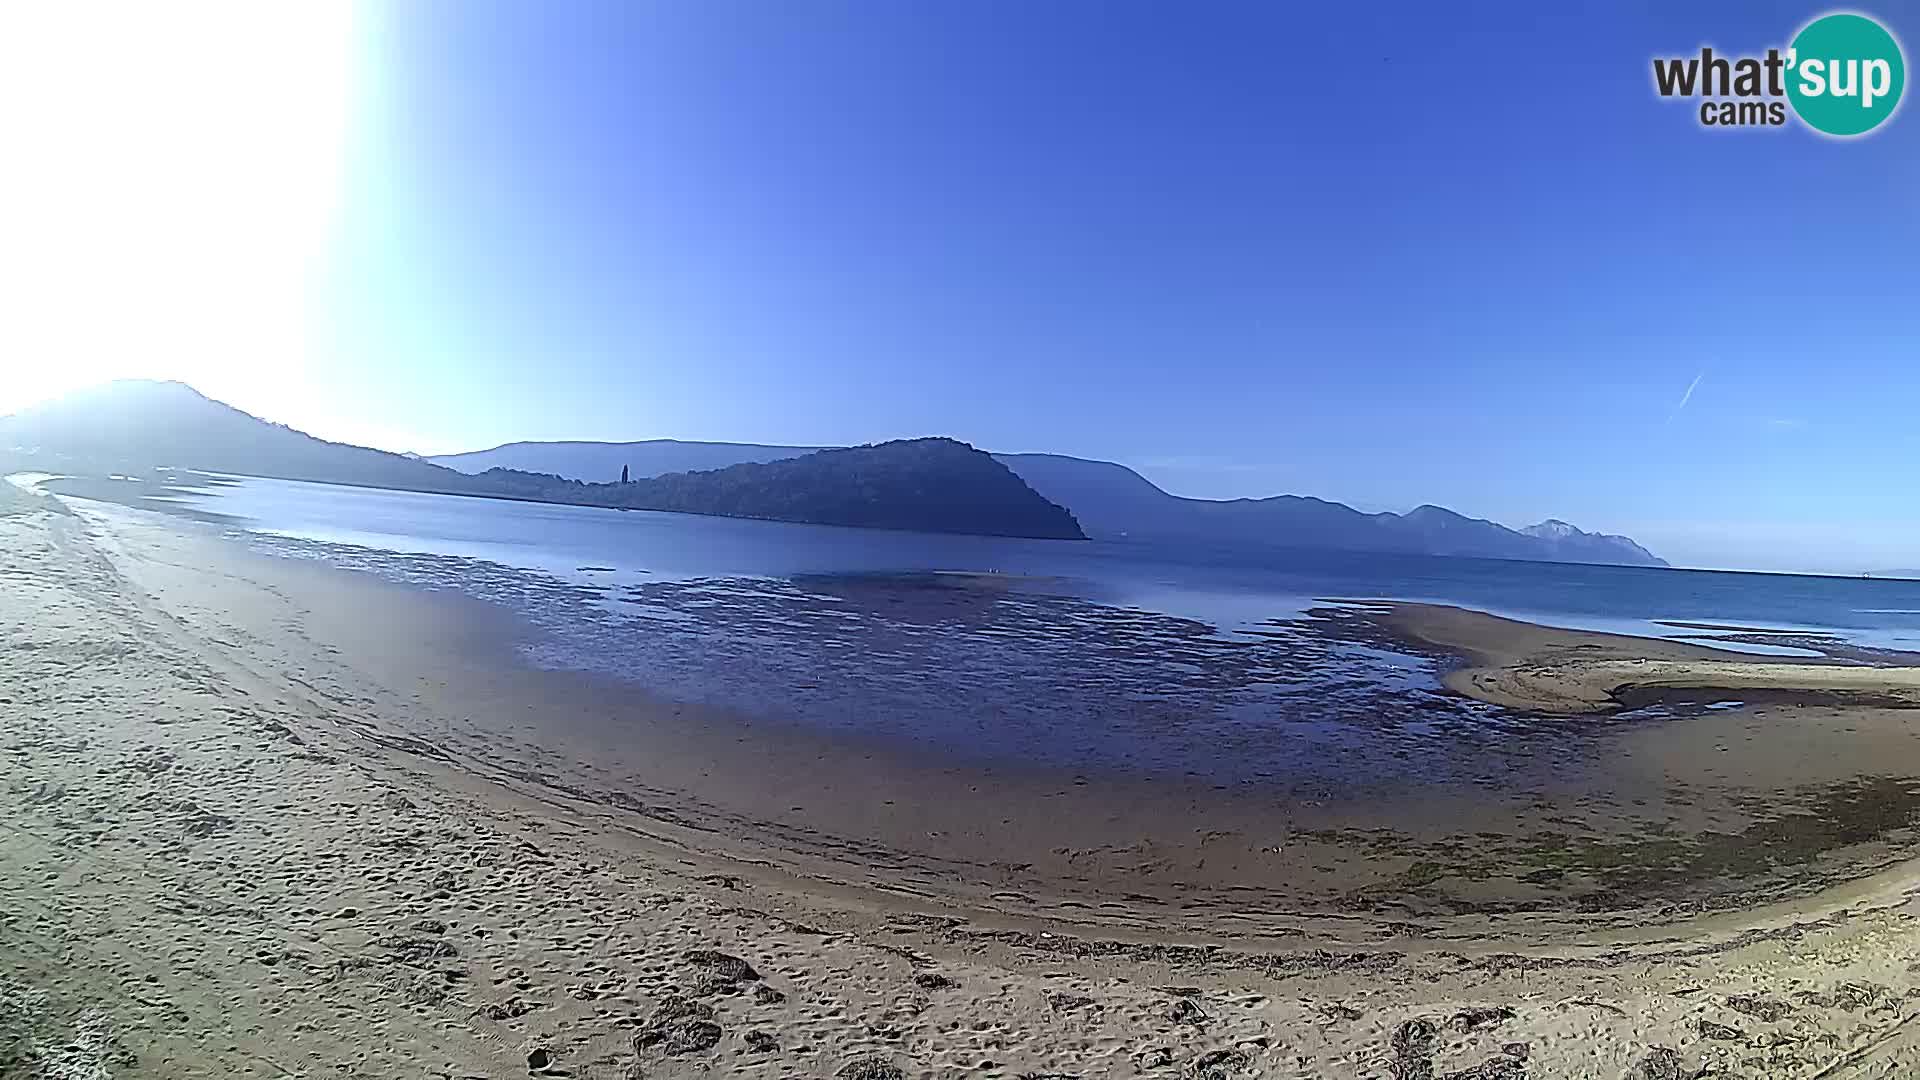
1526,666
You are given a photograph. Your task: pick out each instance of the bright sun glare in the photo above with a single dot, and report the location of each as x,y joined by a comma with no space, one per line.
172,172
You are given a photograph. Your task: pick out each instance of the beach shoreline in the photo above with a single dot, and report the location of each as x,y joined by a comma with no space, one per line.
1523,665
1039,845
187,718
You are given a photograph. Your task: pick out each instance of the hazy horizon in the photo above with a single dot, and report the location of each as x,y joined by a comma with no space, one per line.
1467,259
81,396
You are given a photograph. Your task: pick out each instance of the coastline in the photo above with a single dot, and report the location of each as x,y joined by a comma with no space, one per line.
88,486
282,744
1522,665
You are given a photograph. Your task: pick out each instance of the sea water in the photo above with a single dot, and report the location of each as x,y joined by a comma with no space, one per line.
1154,658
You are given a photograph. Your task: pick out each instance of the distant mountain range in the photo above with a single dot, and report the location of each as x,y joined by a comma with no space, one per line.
1112,501
932,485
928,484
601,462
136,424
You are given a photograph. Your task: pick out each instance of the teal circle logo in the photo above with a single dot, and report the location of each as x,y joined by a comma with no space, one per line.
1845,74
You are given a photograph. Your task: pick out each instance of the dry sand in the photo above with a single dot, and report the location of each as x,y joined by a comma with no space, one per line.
271,819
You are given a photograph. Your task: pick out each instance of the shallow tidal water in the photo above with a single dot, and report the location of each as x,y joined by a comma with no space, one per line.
1229,666
1313,755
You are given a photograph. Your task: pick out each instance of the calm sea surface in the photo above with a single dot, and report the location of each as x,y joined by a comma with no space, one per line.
1092,655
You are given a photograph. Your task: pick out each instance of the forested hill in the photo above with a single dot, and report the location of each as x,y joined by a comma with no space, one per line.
936,485
1111,502
930,485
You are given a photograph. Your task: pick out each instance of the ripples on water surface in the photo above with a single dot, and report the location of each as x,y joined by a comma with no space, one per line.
1096,656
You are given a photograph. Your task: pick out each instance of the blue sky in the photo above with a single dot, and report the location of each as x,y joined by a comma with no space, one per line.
1406,253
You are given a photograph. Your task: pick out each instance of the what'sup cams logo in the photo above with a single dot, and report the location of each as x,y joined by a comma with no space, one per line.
1842,76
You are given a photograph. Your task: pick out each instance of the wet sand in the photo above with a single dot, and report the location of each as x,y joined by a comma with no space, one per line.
1522,666
268,817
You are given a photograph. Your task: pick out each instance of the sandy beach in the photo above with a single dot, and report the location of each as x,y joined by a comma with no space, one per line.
1523,666
265,817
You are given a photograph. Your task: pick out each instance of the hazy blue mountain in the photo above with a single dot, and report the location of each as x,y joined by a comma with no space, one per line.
936,485
601,462
1571,545
928,485
1112,500
137,424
